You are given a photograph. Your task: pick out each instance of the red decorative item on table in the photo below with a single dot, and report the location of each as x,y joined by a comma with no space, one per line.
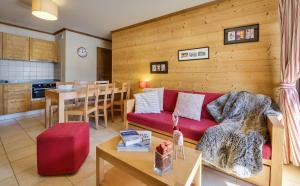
163,158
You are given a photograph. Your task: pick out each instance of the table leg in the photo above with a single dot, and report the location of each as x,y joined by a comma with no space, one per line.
47,111
99,169
61,110
197,179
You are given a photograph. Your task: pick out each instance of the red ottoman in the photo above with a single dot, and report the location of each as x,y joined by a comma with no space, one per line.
63,148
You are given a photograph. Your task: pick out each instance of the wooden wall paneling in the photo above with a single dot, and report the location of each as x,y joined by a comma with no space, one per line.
249,66
1,45
1,99
42,50
15,47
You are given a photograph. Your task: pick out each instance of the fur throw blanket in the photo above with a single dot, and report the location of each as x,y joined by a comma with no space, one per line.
235,145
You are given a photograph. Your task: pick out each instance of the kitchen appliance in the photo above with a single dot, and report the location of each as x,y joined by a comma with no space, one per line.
38,89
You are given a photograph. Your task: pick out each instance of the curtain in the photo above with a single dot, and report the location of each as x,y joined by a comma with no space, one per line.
289,12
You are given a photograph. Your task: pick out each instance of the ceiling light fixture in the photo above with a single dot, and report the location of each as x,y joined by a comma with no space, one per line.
44,9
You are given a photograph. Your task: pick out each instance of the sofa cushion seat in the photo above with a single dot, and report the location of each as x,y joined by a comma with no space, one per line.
191,129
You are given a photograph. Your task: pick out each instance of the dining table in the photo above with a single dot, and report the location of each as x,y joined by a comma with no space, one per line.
59,96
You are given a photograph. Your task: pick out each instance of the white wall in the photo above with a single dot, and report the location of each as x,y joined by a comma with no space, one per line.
25,32
75,67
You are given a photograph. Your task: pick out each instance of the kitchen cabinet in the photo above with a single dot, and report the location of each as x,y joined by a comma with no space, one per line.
38,104
42,50
16,98
15,47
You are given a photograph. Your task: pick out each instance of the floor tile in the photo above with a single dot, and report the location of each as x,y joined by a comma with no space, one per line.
21,153
24,163
54,181
5,171
34,132
2,150
10,181
29,177
17,143
86,170
3,159
29,122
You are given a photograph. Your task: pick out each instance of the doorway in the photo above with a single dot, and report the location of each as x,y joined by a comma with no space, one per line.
104,64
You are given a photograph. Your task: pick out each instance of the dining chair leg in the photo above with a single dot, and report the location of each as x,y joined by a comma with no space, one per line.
50,118
96,118
112,113
66,117
105,117
122,111
86,117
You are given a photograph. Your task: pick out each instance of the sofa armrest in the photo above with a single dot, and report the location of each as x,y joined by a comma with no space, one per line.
275,126
128,107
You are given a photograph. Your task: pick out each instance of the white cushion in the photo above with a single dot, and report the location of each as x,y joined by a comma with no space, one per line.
189,105
147,102
160,95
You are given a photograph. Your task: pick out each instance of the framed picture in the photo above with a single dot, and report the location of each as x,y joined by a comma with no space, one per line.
159,67
243,34
193,54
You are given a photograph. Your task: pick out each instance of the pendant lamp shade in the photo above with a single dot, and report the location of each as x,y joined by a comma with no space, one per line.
44,9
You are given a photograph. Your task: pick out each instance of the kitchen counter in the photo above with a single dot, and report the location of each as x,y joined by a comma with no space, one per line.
28,81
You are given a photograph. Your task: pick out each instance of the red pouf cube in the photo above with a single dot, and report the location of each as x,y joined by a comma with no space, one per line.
63,148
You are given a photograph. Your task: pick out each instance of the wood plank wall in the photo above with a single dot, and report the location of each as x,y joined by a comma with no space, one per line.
250,66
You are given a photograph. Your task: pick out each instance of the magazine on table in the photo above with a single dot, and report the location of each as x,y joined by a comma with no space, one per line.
130,137
143,146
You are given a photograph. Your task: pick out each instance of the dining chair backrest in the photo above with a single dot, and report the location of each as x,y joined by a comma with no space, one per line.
107,91
80,82
91,91
125,91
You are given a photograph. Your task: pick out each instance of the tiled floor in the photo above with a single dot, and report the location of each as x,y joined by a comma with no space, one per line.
18,159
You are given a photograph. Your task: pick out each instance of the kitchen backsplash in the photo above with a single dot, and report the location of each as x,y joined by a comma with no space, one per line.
24,70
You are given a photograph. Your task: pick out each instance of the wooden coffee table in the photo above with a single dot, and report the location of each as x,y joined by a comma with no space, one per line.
140,164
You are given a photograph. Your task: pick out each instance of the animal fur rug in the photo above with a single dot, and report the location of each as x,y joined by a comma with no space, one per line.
235,145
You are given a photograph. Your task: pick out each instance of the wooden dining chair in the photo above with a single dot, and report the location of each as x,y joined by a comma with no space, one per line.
54,105
91,92
119,102
106,102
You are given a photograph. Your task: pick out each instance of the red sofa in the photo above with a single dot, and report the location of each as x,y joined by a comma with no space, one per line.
192,130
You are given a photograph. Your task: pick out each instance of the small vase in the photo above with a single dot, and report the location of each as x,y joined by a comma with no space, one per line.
163,163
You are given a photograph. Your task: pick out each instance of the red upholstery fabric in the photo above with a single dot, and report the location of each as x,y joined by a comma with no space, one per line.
267,151
191,129
62,149
209,97
170,99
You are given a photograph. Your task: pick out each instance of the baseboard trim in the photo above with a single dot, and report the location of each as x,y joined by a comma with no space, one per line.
21,114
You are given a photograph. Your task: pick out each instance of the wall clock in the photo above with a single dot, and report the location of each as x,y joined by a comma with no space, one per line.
82,52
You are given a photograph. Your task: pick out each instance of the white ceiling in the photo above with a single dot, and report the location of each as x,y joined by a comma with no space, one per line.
97,17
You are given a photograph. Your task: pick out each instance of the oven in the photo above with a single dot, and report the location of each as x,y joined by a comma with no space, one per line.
38,90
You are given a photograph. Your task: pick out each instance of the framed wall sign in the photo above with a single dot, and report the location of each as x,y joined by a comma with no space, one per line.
159,67
193,54
243,34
